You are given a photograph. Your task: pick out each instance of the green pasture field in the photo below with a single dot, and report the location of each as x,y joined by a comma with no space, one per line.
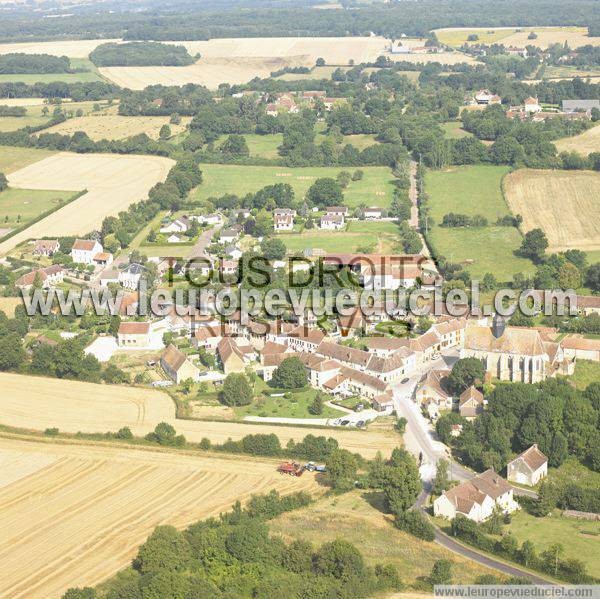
374,189
454,130
586,372
578,537
28,204
379,236
475,190
14,158
29,78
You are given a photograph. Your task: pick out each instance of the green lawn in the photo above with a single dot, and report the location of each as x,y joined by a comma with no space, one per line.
12,123
580,538
28,204
296,406
375,188
454,130
360,141
475,190
586,372
316,73
263,146
380,237
14,158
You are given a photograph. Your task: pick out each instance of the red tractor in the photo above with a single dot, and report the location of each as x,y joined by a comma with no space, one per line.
291,468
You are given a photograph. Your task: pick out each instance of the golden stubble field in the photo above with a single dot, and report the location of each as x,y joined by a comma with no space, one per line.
564,204
70,48
112,126
585,143
114,182
75,514
38,403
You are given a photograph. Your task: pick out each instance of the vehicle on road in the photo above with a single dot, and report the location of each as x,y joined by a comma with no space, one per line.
403,381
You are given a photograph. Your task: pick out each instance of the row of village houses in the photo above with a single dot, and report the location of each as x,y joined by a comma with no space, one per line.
518,355
334,218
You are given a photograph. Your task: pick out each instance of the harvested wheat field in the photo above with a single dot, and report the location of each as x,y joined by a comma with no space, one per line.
75,514
238,60
564,204
113,127
39,403
585,143
70,48
113,183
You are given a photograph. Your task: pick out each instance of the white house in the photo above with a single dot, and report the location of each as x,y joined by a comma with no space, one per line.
332,222
228,235
336,211
532,105
477,498
133,334
130,276
485,97
84,250
528,468
207,219
174,238
179,225
372,213
283,222
48,277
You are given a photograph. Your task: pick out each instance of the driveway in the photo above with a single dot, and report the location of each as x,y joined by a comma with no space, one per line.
199,249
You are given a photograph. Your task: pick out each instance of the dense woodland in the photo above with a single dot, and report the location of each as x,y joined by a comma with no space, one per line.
34,63
186,21
140,54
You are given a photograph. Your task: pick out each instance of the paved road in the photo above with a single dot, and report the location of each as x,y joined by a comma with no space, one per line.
449,543
198,251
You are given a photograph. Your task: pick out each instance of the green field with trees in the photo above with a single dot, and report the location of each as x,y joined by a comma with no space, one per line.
19,206
474,191
374,189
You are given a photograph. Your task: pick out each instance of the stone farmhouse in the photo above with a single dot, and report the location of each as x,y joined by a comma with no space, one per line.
528,468
48,277
470,403
477,498
332,222
283,222
432,394
133,334
177,366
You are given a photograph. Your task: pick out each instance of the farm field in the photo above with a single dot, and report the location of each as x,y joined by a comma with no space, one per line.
14,158
238,60
381,236
475,190
8,305
31,78
562,203
567,72
264,146
39,403
113,182
70,48
578,537
511,36
375,188
28,204
74,514
12,123
354,518
454,130
112,127
585,143
441,57
315,73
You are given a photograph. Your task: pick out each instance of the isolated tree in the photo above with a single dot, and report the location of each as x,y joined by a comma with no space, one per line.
290,374
165,132
464,374
339,559
235,145
175,119
593,277
3,182
273,249
325,192
527,553
441,573
441,481
320,62
316,407
236,390
400,481
534,244
341,468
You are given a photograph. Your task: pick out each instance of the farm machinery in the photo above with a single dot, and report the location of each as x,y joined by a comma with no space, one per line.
295,469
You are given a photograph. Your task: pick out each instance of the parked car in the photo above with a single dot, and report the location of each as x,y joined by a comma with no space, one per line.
405,380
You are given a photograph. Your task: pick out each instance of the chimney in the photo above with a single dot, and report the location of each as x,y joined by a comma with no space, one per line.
498,326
